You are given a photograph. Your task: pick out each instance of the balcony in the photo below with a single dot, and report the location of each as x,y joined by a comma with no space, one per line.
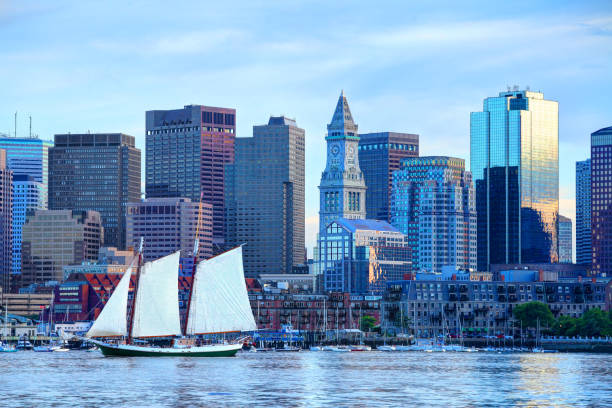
452,297
500,288
463,288
501,298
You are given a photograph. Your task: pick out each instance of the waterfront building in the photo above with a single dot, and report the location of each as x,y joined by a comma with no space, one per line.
264,196
441,307
584,252
24,304
379,156
342,188
601,200
186,153
52,239
168,225
565,239
514,150
29,157
432,202
6,221
99,172
360,256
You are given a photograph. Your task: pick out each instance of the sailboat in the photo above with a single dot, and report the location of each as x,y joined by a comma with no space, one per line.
218,303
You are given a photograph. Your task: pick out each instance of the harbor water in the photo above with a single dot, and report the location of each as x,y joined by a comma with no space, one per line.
80,378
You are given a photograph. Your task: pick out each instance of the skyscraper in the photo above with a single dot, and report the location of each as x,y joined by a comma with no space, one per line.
515,164
379,156
265,197
27,196
186,153
29,157
433,203
342,188
52,239
601,199
565,239
6,221
584,253
98,172
168,225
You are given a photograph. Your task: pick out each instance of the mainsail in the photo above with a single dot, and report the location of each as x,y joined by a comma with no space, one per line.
219,299
156,310
112,320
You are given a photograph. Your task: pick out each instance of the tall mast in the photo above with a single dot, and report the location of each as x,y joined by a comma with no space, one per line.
196,248
129,339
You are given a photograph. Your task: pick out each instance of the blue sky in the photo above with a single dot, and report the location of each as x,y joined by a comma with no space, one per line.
406,66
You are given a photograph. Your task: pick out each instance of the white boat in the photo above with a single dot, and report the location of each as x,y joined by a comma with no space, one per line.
386,348
315,348
218,303
361,347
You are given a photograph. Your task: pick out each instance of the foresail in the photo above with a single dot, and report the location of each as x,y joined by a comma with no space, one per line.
112,321
219,301
156,306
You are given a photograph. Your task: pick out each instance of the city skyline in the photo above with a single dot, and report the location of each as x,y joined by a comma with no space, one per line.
302,70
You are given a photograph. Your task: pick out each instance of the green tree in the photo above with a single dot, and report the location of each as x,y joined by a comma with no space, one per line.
594,322
531,312
367,323
565,326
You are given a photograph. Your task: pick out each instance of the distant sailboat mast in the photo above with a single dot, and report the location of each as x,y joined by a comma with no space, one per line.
131,322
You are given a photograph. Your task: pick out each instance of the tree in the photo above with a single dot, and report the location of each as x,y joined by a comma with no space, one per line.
367,323
566,326
531,312
594,322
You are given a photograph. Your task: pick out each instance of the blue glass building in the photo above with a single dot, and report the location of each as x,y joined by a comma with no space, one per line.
432,202
514,144
601,200
583,212
28,159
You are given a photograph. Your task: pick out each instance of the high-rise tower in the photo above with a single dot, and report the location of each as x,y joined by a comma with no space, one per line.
342,189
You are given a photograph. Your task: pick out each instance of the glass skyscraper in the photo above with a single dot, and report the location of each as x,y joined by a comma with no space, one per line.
583,212
601,200
565,239
432,202
6,215
28,159
514,147
379,156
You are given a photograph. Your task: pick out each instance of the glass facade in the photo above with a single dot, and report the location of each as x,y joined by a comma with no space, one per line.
601,200
6,216
27,196
515,165
432,202
583,212
565,239
379,156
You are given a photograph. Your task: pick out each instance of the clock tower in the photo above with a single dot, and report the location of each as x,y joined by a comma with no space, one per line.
342,188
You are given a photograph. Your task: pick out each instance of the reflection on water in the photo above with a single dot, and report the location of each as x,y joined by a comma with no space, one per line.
308,379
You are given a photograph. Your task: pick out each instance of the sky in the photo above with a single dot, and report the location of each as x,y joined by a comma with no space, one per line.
405,66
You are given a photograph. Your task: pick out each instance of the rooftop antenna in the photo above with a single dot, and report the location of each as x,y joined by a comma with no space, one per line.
527,88
30,126
15,123
508,86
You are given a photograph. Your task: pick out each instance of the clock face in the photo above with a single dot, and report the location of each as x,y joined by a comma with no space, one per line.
335,149
351,150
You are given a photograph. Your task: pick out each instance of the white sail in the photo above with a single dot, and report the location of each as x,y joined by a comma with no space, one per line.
219,301
156,310
112,320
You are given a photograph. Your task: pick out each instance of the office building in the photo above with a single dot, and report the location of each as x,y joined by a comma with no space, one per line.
52,239
433,203
360,256
186,153
29,157
601,200
583,212
379,156
168,225
99,172
514,148
565,239
28,195
265,198
6,221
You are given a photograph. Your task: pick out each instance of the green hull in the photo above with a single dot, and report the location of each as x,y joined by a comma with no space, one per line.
119,352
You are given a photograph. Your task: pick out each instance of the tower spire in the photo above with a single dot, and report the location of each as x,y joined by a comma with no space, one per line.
342,124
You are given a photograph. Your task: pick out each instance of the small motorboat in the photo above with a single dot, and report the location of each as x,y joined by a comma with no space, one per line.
315,348
42,349
361,347
386,348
